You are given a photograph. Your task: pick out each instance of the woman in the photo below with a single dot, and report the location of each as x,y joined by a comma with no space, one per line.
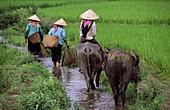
31,28
58,30
88,30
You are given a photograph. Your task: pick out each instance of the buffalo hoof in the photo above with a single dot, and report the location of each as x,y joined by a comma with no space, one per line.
93,87
97,85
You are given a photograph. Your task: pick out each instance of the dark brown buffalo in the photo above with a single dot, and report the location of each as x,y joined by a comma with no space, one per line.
88,58
121,67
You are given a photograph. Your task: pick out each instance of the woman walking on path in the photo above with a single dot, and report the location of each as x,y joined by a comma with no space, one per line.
58,30
88,29
32,28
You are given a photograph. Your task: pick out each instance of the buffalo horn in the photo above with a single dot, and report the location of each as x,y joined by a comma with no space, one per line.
108,49
137,57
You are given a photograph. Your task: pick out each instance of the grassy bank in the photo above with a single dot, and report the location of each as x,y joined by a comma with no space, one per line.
25,83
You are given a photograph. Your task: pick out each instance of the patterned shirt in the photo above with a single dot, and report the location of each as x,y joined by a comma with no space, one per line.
91,33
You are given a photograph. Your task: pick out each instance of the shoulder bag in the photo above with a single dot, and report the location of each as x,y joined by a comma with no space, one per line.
35,37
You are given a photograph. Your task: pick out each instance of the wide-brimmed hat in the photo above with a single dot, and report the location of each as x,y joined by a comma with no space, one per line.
34,17
89,15
61,22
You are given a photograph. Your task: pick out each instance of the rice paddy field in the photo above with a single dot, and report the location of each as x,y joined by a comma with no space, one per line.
139,25
14,4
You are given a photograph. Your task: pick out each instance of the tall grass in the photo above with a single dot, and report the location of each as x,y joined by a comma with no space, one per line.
150,41
28,84
128,12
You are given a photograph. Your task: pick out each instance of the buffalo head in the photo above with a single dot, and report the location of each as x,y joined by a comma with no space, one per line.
135,70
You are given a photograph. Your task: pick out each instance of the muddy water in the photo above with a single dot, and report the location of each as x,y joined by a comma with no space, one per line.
76,89
75,85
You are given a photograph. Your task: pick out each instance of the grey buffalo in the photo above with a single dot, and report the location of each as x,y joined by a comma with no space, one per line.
121,67
88,58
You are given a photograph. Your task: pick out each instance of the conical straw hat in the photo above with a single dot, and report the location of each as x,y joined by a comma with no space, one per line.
61,22
89,15
34,17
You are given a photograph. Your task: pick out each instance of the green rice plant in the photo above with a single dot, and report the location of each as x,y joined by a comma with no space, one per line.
8,4
151,42
127,12
72,32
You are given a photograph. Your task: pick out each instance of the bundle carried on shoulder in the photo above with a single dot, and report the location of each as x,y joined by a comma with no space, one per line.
68,57
35,37
51,41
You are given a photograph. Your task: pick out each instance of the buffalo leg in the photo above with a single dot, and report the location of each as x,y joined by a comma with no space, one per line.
123,87
115,90
88,84
98,77
85,73
92,83
116,94
92,72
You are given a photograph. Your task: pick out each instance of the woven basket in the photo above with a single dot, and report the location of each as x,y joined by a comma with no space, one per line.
35,38
51,41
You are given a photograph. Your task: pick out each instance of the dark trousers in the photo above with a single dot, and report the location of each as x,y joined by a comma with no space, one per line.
56,53
94,41
35,49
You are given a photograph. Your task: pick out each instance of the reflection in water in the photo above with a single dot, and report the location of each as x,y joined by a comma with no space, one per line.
76,90
57,73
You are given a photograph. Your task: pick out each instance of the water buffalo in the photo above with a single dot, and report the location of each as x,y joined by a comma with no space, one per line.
88,58
121,67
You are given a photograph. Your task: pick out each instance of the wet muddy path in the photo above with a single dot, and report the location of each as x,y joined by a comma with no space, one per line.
76,89
75,85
